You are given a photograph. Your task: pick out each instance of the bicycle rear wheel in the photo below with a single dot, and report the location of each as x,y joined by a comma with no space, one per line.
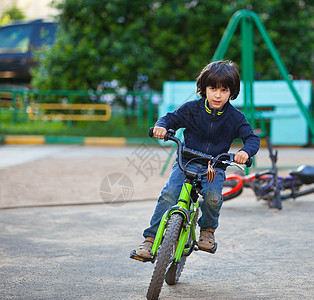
165,256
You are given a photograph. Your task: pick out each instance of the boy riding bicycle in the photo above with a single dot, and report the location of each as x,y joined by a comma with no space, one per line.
211,124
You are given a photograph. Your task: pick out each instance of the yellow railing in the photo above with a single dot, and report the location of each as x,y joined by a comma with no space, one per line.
35,112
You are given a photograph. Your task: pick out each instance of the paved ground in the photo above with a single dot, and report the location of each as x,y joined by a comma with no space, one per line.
82,252
49,174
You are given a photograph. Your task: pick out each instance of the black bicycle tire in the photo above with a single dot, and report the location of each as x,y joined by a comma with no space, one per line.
298,194
174,272
164,256
232,183
232,195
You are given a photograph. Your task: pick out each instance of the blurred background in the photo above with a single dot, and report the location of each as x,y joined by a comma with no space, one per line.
107,68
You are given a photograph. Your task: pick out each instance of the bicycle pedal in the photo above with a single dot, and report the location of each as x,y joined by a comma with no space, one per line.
212,251
133,255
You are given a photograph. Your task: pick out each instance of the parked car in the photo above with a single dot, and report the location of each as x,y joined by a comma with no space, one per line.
18,42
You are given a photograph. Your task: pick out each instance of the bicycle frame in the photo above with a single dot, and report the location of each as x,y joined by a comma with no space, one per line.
187,208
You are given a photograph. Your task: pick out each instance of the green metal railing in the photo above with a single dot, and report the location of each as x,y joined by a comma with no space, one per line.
141,106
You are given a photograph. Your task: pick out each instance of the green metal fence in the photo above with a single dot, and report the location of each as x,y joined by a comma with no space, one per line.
23,105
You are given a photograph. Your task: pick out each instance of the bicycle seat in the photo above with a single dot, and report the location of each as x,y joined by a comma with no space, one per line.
304,173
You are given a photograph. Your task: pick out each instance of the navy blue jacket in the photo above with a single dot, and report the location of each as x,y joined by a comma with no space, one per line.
211,131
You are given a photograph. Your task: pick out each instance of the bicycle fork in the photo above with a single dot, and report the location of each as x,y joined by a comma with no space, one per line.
187,209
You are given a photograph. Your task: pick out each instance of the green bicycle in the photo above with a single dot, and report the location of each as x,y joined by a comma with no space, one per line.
176,239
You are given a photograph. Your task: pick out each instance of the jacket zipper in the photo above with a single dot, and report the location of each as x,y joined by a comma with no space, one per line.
210,129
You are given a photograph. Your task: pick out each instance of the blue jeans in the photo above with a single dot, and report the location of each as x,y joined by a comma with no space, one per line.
210,207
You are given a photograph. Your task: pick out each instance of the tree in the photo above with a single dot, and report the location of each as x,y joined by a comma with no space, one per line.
11,14
141,44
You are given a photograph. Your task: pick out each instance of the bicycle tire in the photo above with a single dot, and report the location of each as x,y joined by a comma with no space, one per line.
174,272
231,183
164,256
233,195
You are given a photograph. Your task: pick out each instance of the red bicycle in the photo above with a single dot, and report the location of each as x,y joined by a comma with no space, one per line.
267,185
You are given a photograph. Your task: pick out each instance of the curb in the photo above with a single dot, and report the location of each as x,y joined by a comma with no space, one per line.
90,141
55,204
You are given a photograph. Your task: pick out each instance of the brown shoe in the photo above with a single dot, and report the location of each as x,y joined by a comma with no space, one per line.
144,250
207,239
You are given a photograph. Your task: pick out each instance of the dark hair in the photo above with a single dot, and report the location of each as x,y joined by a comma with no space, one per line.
219,74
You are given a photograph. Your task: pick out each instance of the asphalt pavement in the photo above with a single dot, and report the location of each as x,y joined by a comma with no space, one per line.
82,252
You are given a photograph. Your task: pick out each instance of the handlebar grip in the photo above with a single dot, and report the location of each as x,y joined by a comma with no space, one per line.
151,132
249,162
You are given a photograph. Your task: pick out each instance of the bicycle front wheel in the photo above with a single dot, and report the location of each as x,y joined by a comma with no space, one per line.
174,272
165,256
232,187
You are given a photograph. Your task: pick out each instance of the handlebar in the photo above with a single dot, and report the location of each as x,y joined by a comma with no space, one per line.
225,158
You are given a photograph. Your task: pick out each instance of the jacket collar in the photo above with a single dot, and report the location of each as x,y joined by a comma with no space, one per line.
215,112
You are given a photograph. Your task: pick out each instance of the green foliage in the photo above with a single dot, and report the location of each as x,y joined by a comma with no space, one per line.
144,43
11,14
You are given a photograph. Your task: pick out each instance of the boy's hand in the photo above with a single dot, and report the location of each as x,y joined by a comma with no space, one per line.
241,157
159,132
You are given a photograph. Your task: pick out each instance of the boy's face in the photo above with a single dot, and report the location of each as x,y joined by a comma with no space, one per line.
217,97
